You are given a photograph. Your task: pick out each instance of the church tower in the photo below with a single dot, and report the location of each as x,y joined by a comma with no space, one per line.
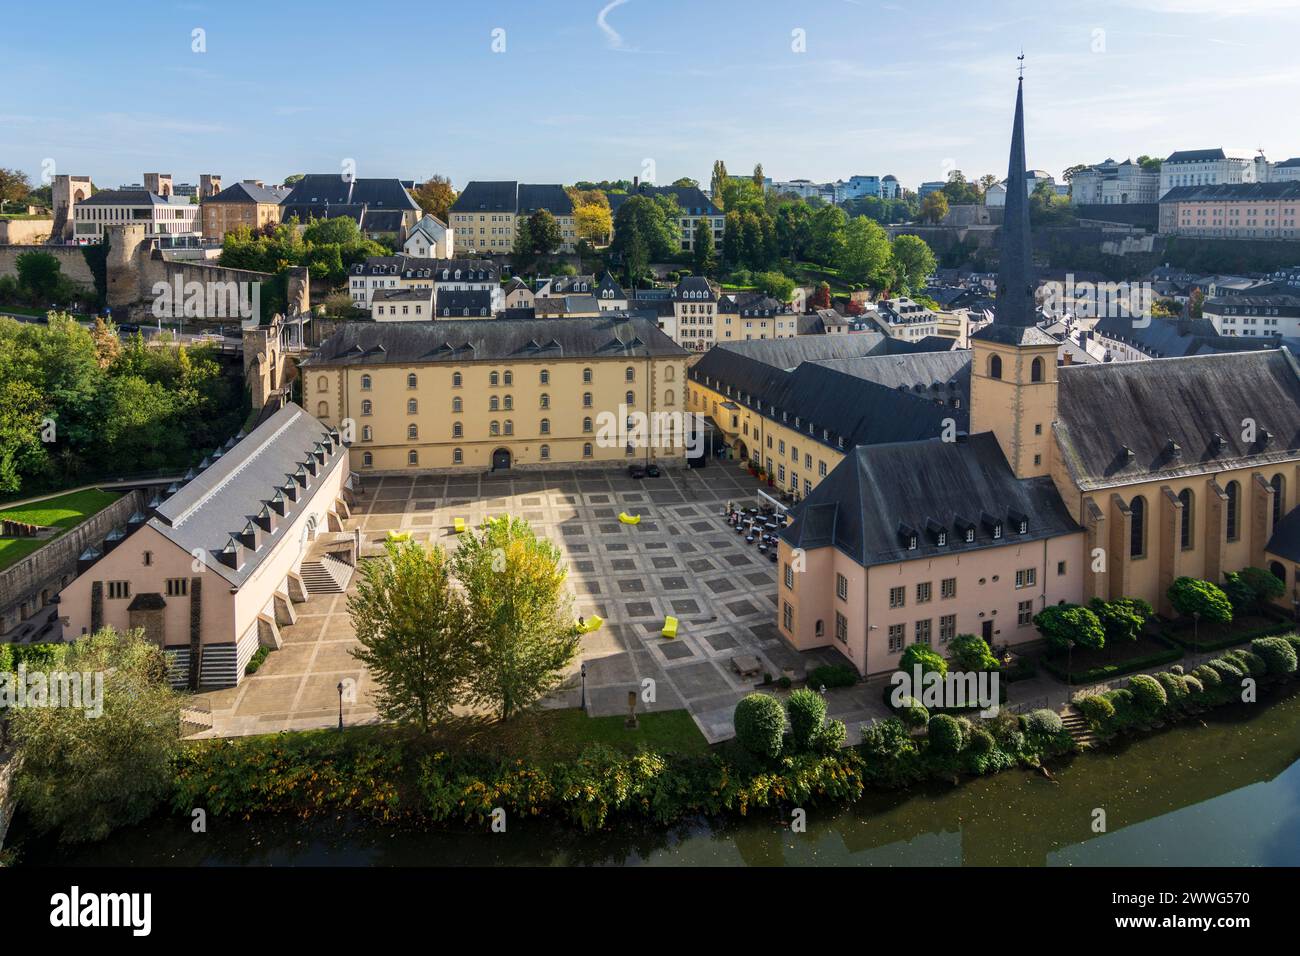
1013,361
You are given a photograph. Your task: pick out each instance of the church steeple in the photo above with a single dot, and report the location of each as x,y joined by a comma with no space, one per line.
1016,305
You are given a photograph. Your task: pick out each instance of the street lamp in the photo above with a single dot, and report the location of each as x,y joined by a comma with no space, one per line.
340,705
584,687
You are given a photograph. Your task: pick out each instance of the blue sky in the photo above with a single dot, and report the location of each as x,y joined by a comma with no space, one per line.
592,90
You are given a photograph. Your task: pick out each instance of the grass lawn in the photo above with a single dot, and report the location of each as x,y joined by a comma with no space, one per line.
547,735
1116,659
1208,636
63,512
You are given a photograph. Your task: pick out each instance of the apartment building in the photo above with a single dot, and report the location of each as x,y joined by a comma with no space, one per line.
248,203
1243,211
484,218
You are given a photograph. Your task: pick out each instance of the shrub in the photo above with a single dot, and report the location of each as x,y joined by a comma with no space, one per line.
760,725
1097,710
920,655
1293,640
830,736
1042,722
1176,669
1191,596
1250,662
981,741
1193,686
1066,624
945,734
1173,686
1208,676
970,652
807,711
1148,694
1230,671
1122,620
1277,653
913,713
888,740
833,675
1250,589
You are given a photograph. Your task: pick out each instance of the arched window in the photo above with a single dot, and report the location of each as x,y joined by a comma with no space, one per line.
586,425
411,380
1233,492
586,450
1187,525
322,409
629,399
629,374
456,379
494,428
546,453
367,459
457,405
457,456
366,433
510,377
1036,370
412,457
457,430
586,399
494,379
412,432
544,377
1279,497
412,406
545,400
510,427
322,384
494,404
586,376
510,402
546,426
367,407
995,366
365,383
1138,531
670,373
669,398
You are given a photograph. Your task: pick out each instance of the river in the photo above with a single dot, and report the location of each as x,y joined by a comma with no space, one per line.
1227,794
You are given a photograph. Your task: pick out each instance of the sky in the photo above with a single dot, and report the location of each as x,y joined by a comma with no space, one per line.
566,90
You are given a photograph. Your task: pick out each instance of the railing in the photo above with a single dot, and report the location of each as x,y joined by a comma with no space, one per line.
1037,703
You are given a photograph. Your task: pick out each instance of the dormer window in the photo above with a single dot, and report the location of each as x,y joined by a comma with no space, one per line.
942,539
997,530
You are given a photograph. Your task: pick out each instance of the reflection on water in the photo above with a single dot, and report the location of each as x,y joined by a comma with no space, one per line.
1223,795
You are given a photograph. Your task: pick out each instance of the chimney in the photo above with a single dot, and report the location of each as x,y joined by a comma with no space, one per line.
1068,358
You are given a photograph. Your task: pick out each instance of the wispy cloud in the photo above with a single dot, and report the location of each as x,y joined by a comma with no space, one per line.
613,39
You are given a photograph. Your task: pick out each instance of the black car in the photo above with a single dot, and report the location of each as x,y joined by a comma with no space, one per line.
127,329
636,471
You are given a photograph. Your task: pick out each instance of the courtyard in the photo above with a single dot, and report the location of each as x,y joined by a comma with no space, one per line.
682,560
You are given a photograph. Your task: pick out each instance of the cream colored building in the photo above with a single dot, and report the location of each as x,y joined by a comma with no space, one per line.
484,217
505,393
248,203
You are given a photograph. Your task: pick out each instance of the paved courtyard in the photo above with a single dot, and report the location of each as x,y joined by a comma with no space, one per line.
681,560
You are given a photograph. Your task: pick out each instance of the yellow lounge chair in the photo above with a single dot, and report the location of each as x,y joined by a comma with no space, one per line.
670,627
459,525
592,623
399,536
626,518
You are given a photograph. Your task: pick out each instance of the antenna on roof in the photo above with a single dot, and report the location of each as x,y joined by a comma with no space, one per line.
1021,58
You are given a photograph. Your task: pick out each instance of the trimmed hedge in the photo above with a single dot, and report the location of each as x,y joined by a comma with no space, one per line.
760,725
1104,672
832,675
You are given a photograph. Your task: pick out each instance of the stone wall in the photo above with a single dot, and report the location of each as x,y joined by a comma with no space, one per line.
71,261
29,232
8,778
45,568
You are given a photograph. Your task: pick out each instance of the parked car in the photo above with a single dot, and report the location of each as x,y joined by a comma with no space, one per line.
636,471
652,471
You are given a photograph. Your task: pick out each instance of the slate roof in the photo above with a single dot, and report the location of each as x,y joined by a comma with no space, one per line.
1240,192
411,343
317,189
245,193
126,197
550,196
1135,421
1195,155
608,282
454,302
1178,338
487,196
1285,542
931,375
878,494
221,500
691,199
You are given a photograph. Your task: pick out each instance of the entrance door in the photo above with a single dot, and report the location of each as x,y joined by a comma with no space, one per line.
501,459
988,633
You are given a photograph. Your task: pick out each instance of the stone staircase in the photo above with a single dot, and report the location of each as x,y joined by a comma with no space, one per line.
1078,728
326,575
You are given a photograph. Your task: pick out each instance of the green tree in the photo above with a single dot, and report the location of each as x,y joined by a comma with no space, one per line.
14,186
716,183
651,221
807,711
911,263
934,207
523,256
927,659
760,725
827,230
544,233
1251,589
83,776
1066,624
435,196
1201,599
517,614
776,284
703,252
22,453
865,254
758,175
1121,619
39,273
970,652
408,618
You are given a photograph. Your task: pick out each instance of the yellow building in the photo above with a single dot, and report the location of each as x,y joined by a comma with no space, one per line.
504,393
484,218
244,204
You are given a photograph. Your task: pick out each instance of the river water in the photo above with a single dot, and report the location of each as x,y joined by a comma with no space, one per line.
1226,794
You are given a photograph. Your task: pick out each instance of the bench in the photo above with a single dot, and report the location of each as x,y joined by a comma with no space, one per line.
670,627
746,665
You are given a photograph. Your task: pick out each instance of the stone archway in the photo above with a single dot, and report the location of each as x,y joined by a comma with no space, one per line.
501,459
